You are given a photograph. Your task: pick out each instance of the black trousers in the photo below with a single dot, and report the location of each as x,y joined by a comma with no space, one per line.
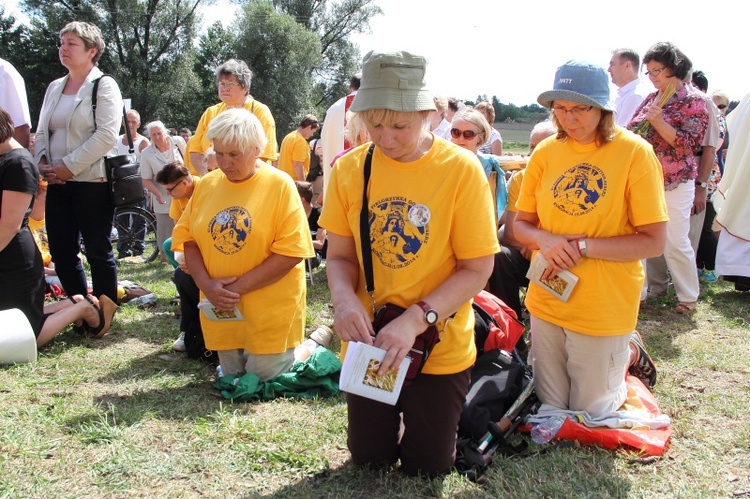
189,298
508,275
78,210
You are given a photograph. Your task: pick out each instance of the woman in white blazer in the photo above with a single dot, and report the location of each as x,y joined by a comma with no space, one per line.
70,146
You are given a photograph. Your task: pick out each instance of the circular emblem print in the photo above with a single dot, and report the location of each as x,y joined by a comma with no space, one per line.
230,228
396,232
578,189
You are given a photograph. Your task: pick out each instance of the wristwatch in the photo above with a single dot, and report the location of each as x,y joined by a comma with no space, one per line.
430,315
698,183
582,247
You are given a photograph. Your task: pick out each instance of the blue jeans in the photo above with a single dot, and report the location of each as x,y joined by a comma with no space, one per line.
78,210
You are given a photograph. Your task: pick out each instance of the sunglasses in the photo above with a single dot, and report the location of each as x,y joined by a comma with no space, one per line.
722,106
468,134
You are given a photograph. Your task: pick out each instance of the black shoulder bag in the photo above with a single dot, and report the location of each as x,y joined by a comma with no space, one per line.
123,172
426,341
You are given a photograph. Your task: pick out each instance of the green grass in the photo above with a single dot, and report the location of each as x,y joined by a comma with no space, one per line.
125,416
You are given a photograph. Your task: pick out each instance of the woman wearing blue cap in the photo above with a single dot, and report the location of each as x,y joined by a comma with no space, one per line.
431,231
592,203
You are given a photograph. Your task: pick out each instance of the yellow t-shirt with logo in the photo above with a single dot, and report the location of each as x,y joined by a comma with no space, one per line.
199,142
600,192
236,227
425,215
178,205
514,190
294,147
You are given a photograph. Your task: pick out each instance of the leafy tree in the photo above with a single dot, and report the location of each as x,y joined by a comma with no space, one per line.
215,47
282,54
333,23
149,49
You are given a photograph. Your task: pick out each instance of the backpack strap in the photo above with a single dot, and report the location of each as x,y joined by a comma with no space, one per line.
364,230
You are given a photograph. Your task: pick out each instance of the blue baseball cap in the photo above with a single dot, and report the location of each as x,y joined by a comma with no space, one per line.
579,81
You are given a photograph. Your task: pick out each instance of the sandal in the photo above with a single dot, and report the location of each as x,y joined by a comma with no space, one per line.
653,294
685,307
643,366
79,330
106,309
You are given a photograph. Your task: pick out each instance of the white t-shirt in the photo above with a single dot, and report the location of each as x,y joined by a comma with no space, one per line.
629,97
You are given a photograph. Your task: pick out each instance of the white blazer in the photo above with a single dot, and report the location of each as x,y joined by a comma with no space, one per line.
86,145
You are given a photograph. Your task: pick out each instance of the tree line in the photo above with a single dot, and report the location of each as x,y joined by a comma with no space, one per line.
299,51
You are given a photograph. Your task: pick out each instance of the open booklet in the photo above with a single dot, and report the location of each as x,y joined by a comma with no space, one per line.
215,314
359,374
560,286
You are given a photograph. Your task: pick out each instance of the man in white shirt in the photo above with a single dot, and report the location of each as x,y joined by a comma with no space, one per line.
623,71
13,100
332,134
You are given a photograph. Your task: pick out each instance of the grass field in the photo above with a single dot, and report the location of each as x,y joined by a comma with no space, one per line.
515,137
127,417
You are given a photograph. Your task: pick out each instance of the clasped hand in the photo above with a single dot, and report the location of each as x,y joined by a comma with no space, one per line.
560,251
217,293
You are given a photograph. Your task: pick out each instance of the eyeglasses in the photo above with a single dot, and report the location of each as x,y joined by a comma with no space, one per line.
228,84
722,106
575,112
175,186
655,72
468,134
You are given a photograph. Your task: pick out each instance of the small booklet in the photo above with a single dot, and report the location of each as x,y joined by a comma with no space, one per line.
560,286
215,314
359,374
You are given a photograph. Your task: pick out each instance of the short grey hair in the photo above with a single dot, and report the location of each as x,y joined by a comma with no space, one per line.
239,127
89,33
156,124
237,68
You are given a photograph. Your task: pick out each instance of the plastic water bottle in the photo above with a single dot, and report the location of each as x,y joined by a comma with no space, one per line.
144,301
219,371
544,432
303,351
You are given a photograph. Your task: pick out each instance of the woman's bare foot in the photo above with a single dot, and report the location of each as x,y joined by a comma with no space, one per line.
77,299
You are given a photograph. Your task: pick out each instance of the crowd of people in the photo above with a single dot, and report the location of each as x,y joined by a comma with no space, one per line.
415,209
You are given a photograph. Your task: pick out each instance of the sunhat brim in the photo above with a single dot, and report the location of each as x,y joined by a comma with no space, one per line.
394,99
547,98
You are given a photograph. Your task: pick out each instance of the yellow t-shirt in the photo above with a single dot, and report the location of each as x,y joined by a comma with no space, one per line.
178,205
236,227
514,190
261,111
600,192
39,231
294,147
424,216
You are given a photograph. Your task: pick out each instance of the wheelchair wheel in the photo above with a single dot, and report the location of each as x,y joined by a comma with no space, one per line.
134,235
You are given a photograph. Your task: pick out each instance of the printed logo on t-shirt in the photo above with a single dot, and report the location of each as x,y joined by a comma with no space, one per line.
396,240
578,189
230,228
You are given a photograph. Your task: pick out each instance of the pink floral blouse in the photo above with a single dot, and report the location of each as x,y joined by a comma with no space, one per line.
686,113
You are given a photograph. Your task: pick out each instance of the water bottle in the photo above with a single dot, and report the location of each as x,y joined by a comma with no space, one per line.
219,371
303,351
144,301
545,431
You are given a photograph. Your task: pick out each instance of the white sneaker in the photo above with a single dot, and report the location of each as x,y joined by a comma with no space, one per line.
179,344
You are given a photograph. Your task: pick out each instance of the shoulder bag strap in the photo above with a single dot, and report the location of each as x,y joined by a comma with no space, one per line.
364,230
94,91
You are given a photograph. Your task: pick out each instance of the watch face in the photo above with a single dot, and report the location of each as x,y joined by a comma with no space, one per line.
431,317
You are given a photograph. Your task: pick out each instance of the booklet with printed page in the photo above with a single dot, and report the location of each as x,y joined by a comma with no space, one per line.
359,374
560,286
215,314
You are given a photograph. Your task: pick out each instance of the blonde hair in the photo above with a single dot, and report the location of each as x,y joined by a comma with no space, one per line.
476,118
238,127
355,128
720,95
487,110
89,33
372,117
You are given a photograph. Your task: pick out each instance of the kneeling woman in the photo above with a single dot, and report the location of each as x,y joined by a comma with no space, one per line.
592,202
432,235
245,236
